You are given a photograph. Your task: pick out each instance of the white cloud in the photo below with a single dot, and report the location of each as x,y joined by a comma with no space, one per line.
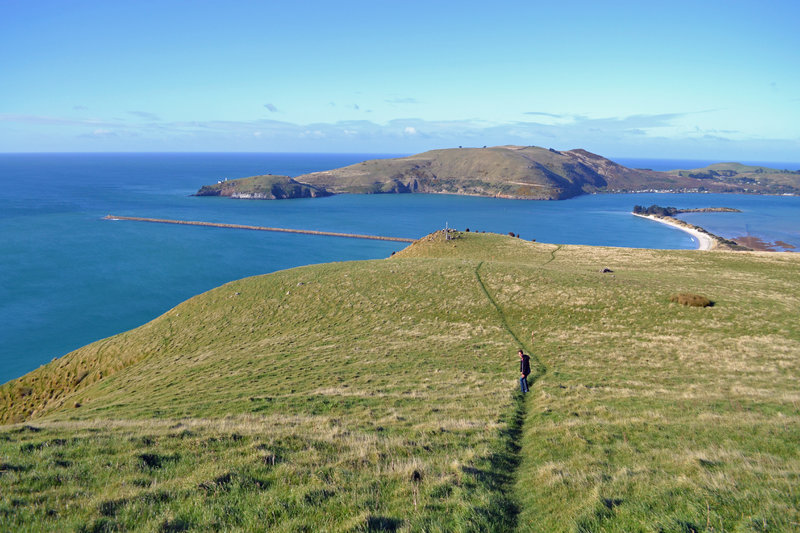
656,135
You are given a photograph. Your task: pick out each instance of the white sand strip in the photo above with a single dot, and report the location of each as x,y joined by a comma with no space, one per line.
705,241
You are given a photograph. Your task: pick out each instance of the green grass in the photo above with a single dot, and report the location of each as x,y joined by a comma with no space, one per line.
381,395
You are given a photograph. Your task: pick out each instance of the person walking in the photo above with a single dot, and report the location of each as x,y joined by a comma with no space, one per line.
524,369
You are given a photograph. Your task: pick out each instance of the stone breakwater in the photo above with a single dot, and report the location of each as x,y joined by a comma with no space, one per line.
258,228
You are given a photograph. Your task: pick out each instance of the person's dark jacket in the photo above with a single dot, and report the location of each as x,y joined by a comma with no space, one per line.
525,364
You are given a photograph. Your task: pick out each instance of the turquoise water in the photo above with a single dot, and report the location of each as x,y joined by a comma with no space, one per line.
68,278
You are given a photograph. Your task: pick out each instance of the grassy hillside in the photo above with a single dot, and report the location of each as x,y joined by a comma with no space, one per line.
380,396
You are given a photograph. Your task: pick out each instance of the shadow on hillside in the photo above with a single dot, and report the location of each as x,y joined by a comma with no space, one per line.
496,473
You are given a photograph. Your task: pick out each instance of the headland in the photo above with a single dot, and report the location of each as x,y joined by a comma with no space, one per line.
518,172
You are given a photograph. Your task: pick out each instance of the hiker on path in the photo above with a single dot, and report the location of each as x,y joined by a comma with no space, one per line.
525,369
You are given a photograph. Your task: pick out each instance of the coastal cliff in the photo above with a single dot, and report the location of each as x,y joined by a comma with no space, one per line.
266,187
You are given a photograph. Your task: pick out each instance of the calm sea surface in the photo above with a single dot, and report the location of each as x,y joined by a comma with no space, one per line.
68,278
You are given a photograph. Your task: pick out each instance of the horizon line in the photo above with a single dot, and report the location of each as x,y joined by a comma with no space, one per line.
400,154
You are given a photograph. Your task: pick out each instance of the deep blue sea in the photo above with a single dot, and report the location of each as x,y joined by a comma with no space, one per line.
68,277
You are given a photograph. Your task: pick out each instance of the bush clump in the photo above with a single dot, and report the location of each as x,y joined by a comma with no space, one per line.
692,300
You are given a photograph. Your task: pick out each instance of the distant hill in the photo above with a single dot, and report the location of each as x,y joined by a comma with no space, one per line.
527,172
757,179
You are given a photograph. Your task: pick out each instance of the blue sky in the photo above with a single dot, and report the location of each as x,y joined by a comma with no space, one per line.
700,79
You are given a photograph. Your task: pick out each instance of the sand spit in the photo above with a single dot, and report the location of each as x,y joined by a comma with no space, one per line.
705,241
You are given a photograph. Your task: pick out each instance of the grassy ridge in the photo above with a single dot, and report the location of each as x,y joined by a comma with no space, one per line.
381,388
378,395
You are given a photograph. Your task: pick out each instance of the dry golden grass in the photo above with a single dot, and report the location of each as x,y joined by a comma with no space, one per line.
692,300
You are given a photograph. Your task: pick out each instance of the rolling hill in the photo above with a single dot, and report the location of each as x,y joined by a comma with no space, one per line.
381,396
527,172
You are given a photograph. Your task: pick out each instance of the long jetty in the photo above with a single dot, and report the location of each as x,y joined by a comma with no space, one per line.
258,228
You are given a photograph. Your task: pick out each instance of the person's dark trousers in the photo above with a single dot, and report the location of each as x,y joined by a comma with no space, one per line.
523,383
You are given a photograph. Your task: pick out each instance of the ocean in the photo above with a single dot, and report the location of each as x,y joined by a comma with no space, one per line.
68,277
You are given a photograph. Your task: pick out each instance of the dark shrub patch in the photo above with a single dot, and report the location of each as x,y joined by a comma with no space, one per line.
156,497
175,525
150,460
143,441
316,497
692,300
110,507
30,446
220,483
6,467
101,525
30,429
383,523
153,460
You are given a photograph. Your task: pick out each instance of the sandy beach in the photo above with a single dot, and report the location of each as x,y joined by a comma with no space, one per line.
705,241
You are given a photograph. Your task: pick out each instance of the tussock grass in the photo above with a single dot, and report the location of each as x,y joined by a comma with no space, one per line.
692,300
377,395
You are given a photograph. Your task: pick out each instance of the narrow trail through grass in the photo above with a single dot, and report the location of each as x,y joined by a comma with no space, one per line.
506,459
552,255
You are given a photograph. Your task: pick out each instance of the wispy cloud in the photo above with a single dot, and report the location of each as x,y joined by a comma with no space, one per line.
542,114
271,108
101,132
55,121
665,133
631,123
145,115
80,108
